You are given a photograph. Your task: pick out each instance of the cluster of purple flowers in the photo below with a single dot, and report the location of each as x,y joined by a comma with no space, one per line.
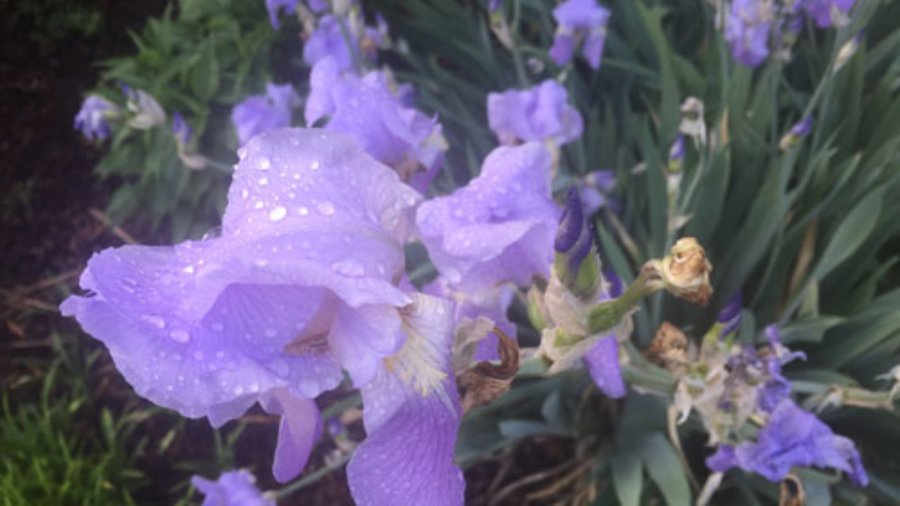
749,24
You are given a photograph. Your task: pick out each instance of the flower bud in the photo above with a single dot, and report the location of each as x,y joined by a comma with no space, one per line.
676,154
800,130
576,264
692,122
685,271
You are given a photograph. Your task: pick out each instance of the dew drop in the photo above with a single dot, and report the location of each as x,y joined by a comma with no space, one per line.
264,163
263,181
245,193
303,210
258,205
156,321
314,165
326,208
180,335
277,213
188,269
349,268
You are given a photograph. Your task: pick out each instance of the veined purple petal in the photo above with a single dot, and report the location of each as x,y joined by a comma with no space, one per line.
579,20
329,41
602,361
407,457
299,428
92,119
234,488
499,227
563,48
747,30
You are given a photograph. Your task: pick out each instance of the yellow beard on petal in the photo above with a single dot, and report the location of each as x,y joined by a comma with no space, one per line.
417,364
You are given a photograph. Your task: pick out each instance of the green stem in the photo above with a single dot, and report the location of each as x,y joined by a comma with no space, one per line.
311,478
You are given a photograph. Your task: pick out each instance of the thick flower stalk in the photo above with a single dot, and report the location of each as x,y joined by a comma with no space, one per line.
276,308
580,22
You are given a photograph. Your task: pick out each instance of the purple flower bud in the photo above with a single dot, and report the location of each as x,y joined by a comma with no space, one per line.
579,20
802,127
730,314
276,6
261,113
494,5
792,438
822,10
92,118
747,30
676,152
538,114
234,488
181,130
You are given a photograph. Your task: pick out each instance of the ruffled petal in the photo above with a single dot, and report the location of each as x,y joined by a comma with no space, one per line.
297,433
407,457
499,227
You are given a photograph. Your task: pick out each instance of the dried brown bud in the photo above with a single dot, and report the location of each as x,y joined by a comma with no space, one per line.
686,271
791,492
486,382
669,346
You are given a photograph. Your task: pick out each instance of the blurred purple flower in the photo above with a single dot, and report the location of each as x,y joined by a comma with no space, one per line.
802,127
274,308
537,114
367,110
747,30
276,6
777,387
822,10
499,227
234,488
730,314
579,20
92,118
181,130
330,40
792,437
260,113
594,191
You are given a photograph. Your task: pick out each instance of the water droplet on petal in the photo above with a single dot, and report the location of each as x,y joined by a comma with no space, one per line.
349,267
263,181
264,163
188,269
314,165
326,208
245,193
156,321
180,335
277,213
303,210
258,205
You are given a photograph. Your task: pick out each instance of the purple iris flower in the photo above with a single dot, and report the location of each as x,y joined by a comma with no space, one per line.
499,227
821,10
329,39
802,127
747,30
92,118
792,437
538,114
274,308
366,109
276,6
261,113
234,488
575,240
579,20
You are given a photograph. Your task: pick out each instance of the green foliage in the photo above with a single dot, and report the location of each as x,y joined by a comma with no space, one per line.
58,450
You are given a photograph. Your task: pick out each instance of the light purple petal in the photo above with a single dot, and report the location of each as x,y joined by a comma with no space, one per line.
297,433
234,488
261,113
747,30
538,114
602,361
499,227
592,51
328,41
585,14
407,457
563,48
92,119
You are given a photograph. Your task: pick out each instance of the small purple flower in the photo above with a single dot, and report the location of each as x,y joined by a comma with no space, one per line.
822,10
777,387
594,191
330,40
791,438
802,127
92,118
276,6
234,488
538,114
747,30
499,227
367,110
261,113
579,20
181,130
494,5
